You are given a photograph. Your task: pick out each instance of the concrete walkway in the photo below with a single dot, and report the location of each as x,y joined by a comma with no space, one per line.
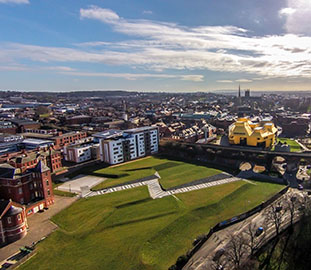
156,191
79,181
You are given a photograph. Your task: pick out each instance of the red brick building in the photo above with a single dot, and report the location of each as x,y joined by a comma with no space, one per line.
13,222
31,187
68,138
28,159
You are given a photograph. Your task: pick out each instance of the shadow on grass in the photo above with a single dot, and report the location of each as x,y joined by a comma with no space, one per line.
140,220
166,165
220,205
196,162
138,169
107,175
133,203
159,167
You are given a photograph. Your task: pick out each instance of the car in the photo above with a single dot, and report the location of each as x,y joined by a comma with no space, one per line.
218,254
259,231
300,187
278,208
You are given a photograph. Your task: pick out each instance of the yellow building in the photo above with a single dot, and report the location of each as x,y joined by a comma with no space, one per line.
245,132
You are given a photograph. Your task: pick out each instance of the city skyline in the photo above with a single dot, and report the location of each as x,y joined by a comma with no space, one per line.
156,46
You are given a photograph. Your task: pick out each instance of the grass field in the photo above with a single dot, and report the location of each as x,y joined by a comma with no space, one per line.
172,172
294,146
62,193
127,230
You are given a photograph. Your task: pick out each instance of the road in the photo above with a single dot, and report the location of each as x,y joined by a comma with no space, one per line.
203,259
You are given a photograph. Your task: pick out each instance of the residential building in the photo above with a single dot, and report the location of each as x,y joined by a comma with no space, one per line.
129,144
42,131
82,151
69,138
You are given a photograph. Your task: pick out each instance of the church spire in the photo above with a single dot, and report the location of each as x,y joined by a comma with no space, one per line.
239,90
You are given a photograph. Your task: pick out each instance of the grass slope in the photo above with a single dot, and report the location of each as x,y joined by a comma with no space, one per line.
172,172
294,146
128,230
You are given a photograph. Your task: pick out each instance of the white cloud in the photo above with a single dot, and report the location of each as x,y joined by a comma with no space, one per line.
136,76
243,80
298,16
96,13
224,81
147,12
168,46
14,1
287,11
59,68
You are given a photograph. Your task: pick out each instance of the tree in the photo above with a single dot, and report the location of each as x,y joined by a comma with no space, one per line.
290,205
236,249
254,241
274,214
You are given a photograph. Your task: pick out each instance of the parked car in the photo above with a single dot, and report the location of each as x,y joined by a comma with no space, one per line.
218,254
300,187
259,231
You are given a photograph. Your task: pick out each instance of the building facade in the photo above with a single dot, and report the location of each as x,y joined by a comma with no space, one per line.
246,133
129,144
13,222
69,138
31,187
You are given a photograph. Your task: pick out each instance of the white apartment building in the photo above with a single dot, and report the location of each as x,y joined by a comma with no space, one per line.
122,146
82,151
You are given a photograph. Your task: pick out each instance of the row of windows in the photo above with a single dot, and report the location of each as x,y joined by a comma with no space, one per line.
9,219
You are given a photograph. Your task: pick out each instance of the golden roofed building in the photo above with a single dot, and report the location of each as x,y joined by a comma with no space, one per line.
245,132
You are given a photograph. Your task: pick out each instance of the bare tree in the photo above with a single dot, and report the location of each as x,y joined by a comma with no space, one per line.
236,249
219,264
274,214
291,205
254,241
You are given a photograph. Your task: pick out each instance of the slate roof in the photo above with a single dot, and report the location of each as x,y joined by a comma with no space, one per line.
4,206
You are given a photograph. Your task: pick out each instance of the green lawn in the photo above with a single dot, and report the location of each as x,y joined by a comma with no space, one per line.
294,146
62,193
172,172
127,230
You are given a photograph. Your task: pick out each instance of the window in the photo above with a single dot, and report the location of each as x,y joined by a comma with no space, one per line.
22,201
48,192
19,217
9,220
31,186
47,182
20,190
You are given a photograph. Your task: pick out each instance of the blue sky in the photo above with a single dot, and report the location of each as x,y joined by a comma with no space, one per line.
155,45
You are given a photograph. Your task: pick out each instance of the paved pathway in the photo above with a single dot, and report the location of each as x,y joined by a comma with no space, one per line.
156,191
39,226
79,181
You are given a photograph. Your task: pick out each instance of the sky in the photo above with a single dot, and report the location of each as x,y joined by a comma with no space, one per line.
155,45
